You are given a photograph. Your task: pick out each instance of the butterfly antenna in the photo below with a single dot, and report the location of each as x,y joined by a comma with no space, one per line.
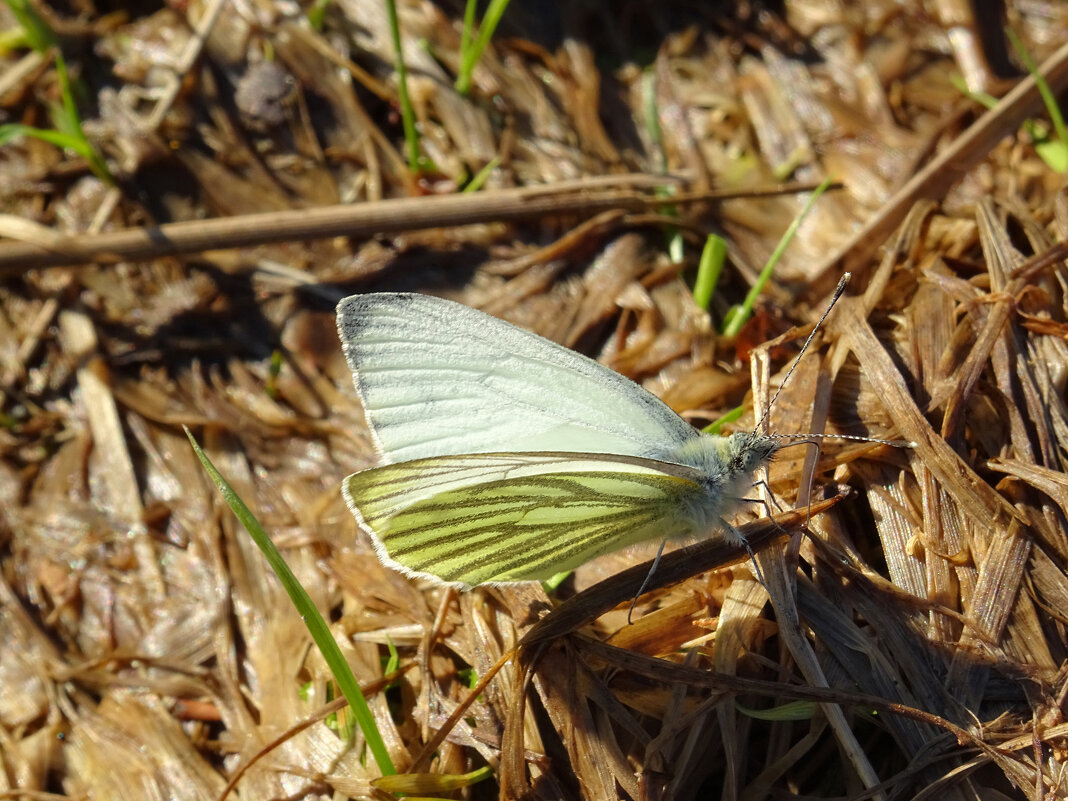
834,299
803,438
807,439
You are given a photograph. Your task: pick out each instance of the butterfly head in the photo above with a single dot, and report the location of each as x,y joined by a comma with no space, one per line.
725,459
750,450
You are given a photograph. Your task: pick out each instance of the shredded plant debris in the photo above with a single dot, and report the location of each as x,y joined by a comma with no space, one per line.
187,191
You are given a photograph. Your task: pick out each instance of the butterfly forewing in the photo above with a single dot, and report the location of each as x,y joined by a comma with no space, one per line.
439,378
477,519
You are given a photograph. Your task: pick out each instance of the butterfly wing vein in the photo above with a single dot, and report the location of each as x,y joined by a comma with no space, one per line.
511,517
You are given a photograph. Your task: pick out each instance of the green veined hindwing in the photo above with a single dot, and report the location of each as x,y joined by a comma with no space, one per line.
487,518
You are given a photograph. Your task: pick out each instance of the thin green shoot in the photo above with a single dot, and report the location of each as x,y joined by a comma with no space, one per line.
798,156
416,786
411,135
38,35
716,426
676,246
317,14
468,30
317,627
468,676
550,584
482,175
472,48
330,721
713,256
342,722
13,39
737,316
794,710
68,132
1052,150
985,99
393,662
273,371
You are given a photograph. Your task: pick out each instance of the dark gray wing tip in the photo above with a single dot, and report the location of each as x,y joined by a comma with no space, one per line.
354,304
352,310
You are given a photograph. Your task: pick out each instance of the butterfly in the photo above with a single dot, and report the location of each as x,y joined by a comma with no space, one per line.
506,457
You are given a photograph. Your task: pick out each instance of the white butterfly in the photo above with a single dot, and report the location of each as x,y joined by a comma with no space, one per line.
511,458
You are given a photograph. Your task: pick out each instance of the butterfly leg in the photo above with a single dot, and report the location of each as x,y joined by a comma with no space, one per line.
645,582
767,510
770,494
756,502
737,536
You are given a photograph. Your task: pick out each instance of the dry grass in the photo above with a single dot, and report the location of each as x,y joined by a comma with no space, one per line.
149,653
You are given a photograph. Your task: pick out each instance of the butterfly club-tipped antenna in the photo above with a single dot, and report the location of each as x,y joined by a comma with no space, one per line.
811,439
760,424
842,283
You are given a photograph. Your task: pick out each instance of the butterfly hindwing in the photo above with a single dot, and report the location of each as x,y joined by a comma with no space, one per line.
487,518
438,378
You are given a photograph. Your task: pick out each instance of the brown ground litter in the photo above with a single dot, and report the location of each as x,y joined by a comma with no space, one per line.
916,638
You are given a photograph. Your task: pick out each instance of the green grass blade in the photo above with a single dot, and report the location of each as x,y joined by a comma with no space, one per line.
1053,150
550,584
416,785
482,175
317,627
1057,145
738,315
13,130
709,269
984,99
795,710
317,14
411,135
66,117
68,120
716,426
469,57
68,133
38,34
1054,153
676,247
468,30
73,142
468,677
